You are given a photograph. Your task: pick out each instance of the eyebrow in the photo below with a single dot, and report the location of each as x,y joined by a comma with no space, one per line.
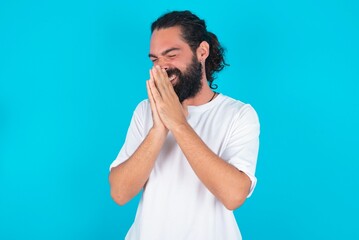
164,52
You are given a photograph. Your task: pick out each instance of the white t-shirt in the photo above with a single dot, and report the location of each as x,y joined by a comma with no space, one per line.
175,205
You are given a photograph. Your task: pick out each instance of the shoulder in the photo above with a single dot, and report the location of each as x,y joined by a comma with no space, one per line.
237,107
142,107
243,118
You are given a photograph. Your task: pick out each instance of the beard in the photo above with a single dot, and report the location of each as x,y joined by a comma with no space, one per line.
188,82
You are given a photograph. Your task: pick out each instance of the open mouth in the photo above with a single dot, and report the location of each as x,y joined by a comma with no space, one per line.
172,78
173,75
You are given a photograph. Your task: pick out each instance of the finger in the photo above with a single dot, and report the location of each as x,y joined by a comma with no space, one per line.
167,81
169,87
165,75
162,81
154,91
156,76
160,78
155,117
152,80
150,97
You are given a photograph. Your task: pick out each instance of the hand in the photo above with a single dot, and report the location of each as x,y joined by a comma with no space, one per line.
169,109
157,122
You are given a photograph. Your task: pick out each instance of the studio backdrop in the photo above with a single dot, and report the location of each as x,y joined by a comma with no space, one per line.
72,73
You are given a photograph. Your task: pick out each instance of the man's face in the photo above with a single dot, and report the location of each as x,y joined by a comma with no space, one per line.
171,52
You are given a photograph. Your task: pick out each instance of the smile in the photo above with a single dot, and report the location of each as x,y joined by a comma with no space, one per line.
172,78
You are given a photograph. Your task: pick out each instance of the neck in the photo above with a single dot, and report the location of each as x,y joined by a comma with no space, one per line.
202,97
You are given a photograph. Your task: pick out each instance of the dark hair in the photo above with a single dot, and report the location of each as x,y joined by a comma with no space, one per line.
194,31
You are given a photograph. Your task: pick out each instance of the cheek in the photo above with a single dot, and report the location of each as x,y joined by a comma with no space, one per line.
178,65
181,64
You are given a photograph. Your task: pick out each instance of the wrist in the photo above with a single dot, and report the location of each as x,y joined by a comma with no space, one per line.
158,133
181,128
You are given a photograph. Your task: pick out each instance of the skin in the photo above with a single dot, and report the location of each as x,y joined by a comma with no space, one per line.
227,183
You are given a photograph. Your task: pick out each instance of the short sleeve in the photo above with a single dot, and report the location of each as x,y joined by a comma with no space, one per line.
134,137
243,143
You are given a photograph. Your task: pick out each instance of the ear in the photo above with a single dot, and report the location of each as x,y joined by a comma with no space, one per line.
203,51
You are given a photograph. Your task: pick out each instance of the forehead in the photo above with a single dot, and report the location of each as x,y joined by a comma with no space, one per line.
163,39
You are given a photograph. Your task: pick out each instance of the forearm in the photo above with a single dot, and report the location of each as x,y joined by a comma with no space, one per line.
222,179
128,178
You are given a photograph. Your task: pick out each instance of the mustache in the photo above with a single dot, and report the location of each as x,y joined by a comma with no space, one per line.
173,71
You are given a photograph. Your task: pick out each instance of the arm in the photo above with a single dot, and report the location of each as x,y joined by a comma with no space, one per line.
128,178
224,180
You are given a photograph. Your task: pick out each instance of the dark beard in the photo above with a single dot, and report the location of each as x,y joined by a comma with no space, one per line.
189,82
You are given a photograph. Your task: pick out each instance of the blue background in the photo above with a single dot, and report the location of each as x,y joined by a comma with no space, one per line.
72,72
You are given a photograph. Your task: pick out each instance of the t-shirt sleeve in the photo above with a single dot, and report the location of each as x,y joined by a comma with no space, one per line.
134,137
243,143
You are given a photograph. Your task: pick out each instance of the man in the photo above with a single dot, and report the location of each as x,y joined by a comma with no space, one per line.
191,150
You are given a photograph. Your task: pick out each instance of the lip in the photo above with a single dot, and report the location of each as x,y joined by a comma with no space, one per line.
173,80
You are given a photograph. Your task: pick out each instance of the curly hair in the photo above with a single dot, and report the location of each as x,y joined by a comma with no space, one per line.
194,31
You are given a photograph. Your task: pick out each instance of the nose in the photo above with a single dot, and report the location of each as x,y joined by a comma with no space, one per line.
162,63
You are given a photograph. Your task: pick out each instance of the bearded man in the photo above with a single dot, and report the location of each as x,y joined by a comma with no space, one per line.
191,150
